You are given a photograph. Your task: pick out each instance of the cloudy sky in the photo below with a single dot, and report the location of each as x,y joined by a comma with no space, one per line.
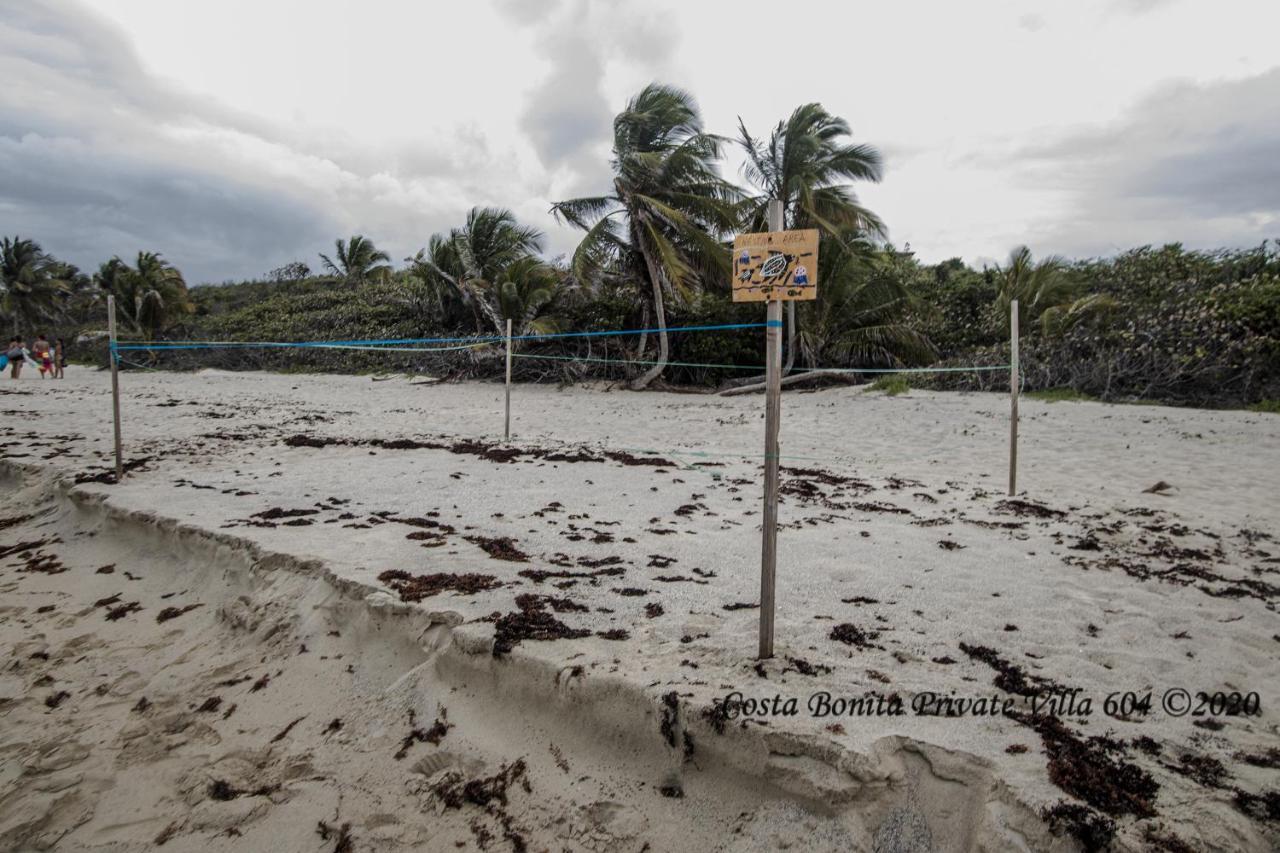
239,135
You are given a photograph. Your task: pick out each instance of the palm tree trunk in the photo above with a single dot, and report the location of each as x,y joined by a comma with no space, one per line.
655,371
482,299
644,324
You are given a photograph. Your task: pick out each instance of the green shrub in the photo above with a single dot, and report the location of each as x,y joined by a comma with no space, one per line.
892,385
1271,407
1058,395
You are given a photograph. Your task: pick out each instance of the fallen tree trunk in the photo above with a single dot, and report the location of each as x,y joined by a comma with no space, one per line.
832,376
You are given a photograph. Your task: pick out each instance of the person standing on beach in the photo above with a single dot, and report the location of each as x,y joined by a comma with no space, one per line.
42,354
16,355
59,358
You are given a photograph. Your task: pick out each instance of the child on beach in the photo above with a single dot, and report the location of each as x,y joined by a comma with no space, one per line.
15,354
43,355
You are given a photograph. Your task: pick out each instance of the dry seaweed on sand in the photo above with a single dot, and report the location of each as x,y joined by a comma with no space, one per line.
1086,768
485,791
803,667
108,475
1017,506
530,622
540,575
852,635
1201,769
276,513
432,735
1011,677
1095,832
413,588
1264,806
340,835
499,548
123,610
530,601
174,612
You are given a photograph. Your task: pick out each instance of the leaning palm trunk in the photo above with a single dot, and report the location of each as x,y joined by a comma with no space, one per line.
661,317
791,338
499,325
644,333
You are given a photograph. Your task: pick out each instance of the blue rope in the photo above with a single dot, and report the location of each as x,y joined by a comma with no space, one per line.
394,341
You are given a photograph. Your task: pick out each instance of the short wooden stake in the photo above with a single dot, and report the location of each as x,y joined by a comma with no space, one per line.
506,432
115,384
1014,382
772,421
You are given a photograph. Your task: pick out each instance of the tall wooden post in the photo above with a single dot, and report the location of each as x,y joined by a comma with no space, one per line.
1014,381
506,432
772,419
115,384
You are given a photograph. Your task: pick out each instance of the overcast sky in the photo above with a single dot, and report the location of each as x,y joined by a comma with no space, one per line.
236,136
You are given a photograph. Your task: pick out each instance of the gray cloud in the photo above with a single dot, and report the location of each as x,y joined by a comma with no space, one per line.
99,158
567,112
1192,163
569,119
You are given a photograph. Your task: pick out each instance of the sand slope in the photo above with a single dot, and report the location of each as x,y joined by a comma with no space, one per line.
279,504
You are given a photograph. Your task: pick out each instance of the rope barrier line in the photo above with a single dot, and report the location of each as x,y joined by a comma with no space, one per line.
754,367
171,345
898,369
757,367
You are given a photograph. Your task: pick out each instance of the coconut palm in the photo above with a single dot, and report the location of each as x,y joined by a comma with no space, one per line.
863,317
660,227
465,265
1037,285
527,291
150,296
807,164
357,260
35,284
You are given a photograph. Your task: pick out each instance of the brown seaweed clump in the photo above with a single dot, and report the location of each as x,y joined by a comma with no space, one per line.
413,588
852,635
500,548
533,622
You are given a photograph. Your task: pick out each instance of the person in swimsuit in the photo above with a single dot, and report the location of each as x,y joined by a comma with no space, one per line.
15,354
59,358
42,354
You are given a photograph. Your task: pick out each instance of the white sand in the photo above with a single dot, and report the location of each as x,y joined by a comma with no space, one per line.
585,715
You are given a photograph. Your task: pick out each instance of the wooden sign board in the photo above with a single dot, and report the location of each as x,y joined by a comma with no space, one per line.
775,265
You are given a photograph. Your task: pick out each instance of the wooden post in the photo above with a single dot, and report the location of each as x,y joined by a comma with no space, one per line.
772,418
506,433
115,384
1013,398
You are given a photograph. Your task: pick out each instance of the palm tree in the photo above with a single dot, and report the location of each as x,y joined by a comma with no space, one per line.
469,261
35,284
863,317
358,260
527,291
660,227
1037,285
806,165
151,296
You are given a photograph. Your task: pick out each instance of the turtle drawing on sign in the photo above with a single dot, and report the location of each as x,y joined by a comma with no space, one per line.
775,265
744,266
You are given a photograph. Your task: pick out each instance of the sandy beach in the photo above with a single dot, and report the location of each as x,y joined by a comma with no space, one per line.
340,613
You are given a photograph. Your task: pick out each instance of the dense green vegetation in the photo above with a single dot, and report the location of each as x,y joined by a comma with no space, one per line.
1164,324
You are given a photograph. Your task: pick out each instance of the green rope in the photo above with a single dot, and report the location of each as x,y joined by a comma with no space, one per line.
636,361
759,368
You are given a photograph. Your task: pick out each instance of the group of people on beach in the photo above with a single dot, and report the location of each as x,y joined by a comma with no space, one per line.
49,358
